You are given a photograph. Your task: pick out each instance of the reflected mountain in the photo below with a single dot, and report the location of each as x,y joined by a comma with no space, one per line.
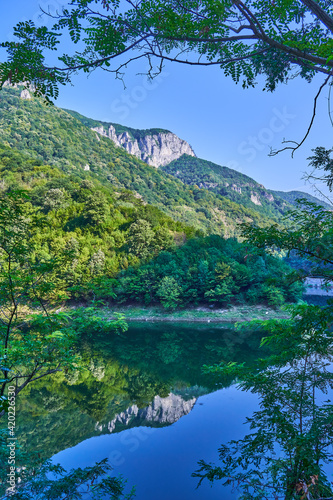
149,376
161,412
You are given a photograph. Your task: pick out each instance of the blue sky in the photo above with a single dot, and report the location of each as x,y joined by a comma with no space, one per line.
222,122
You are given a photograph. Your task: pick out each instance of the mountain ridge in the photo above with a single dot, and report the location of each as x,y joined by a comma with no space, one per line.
134,142
156,147
236,186
53,136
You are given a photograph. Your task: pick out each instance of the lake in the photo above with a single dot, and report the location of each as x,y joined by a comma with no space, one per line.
143,402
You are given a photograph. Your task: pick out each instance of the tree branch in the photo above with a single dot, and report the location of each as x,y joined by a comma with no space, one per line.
299,144
318,12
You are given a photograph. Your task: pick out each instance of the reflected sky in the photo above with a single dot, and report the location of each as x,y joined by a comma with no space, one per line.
142,401
160,461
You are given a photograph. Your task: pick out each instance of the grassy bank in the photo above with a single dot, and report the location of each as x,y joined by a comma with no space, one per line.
199,314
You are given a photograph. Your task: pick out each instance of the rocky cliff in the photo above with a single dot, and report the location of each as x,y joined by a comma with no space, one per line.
163,411
154,147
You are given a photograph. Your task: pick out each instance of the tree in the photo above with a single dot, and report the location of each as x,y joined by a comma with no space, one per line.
291,436
321,160
140,238
97,208
290,440
169,292
97,262
163,239
33,342
309,237
56,198
279,39
51,481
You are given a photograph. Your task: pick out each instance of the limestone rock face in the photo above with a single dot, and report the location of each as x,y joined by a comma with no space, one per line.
236,188
162,410
157,149
25,94
255,199
268,196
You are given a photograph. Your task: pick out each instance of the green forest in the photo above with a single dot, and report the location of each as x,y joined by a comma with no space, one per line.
131,233
56,138
88,230
121,249
235,186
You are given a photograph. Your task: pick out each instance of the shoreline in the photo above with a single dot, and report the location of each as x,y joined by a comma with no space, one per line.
196,315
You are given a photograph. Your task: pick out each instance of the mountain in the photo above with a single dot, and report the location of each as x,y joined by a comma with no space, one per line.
198,193
235,186
292,196
223,181
161,148
160,412
156,147
135,233
54,137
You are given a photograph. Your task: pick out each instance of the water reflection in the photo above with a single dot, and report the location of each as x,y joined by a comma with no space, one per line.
163,411
150,376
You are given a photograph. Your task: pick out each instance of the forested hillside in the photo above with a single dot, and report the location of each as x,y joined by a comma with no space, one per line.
229,183
209,270
127,232
54,137
114,246
104,230
292,197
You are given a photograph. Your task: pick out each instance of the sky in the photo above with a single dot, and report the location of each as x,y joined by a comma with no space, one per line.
223,123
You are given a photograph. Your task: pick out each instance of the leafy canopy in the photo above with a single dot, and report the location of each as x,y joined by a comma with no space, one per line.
245,38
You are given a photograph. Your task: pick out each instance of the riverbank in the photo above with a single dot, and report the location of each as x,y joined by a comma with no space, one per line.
195,315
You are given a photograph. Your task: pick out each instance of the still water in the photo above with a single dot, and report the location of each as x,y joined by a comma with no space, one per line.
142,400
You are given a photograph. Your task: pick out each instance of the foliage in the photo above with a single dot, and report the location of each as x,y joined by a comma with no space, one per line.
48,481
31,345
43,148
291,434
208,270
310,238
245,38
237,187
140,238
168,292
94,231
105,246
86,321
103,229
35,343
77,483
290,442
321,163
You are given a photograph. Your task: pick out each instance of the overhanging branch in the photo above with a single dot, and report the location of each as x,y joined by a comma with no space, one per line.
299,144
